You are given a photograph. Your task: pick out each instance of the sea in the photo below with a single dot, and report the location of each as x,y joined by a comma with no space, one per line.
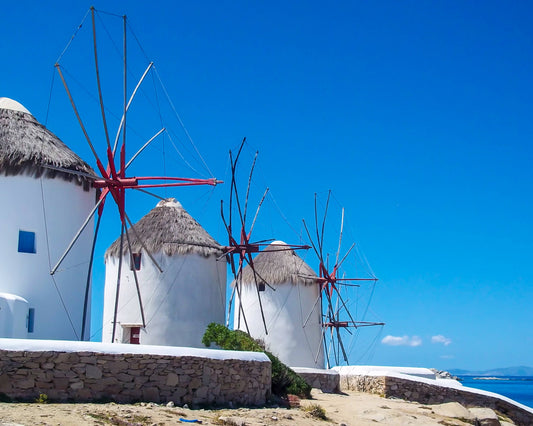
518,388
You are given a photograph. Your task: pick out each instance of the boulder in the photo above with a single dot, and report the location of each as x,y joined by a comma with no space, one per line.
454,410
485,416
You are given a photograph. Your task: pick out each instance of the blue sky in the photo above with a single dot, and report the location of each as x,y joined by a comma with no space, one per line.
416,114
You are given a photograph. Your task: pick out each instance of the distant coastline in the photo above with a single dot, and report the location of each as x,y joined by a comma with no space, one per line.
518,371
518,388
491,378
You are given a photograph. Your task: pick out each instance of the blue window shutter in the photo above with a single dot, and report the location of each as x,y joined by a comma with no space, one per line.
26,242
31,319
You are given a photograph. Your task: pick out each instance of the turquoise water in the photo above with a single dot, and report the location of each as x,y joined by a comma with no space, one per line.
518,388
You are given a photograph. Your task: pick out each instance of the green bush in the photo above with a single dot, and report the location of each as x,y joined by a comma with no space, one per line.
284,380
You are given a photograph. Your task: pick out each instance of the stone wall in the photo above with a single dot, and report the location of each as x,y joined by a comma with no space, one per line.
128,378
325,380
368,384
426,393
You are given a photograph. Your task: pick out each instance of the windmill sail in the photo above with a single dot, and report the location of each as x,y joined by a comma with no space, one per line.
109,138
337,319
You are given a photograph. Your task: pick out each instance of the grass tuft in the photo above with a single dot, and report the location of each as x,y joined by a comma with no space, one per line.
42,399
316,411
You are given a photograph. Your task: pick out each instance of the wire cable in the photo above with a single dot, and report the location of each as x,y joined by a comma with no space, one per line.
50,262
50,96
181,122
72,37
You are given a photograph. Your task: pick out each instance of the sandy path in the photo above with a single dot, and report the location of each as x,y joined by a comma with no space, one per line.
351,409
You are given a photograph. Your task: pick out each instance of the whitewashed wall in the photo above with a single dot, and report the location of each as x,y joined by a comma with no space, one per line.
54,209
294,341
178,303
13,316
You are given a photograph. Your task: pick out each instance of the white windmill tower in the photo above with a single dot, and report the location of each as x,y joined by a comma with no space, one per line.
171,286
289,293
43,208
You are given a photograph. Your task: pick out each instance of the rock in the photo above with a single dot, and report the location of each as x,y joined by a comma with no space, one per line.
485,416
26,383
452,409
76,385
294,401
93,372
172,379
170,404
232,421
443,374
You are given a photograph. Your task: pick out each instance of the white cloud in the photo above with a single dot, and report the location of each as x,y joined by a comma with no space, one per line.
401,341
415,341
447,356
439,338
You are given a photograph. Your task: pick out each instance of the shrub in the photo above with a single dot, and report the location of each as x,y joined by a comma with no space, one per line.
284,380
316,411
42,399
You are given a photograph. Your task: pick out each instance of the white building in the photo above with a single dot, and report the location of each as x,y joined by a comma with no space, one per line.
179,302
42,210
290,299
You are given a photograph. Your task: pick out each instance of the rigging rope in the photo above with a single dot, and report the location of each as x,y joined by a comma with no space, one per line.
283,216
372,347
109,13
165,298
162,125
50,96
95,99
180,154
50,262
315,307
117,49
181,122
86,90
156,106
137,40
72,37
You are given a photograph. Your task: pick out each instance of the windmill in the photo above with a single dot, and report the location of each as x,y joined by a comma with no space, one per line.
335,308
113,180
34,236
241,249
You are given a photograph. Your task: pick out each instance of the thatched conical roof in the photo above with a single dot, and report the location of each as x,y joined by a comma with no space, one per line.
275,265
168,228
26,145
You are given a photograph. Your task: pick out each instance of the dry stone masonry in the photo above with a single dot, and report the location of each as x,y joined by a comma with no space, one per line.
128,378
325,380
425,393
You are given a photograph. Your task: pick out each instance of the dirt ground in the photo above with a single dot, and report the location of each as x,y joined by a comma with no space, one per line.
350,409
